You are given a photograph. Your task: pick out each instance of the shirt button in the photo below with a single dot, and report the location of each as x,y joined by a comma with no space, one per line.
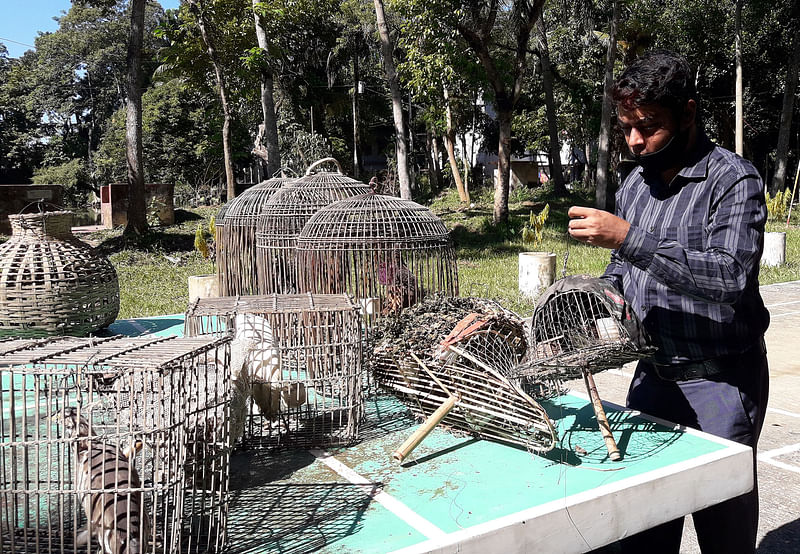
652,229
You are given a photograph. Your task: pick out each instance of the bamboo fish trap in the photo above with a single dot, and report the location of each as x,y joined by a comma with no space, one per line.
282,220
386,252
299,365
236,237
52,283
120,439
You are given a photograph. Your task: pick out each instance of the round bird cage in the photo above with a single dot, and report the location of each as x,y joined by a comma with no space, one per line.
582,324
284,216
51,283
236,237
387,252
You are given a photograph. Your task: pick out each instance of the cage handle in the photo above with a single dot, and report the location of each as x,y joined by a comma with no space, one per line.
323,160
284,171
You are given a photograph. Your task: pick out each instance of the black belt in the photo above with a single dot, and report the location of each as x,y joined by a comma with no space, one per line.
706,369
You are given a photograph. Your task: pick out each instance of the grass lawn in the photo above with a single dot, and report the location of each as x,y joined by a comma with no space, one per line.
153,270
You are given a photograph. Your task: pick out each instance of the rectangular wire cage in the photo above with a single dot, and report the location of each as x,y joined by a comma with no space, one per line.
114,445
296,363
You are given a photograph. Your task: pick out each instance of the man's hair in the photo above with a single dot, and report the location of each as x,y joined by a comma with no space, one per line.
658,77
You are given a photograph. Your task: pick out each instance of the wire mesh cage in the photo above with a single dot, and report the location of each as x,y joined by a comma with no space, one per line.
283,218
297,365
582,324
467,348
51,283
99,448
236,237
387,252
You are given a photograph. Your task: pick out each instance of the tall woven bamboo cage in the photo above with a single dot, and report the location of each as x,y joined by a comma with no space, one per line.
124,439
387,252
284,216
236,238
297,365
51,283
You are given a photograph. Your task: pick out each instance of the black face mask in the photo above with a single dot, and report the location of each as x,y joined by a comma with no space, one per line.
669,156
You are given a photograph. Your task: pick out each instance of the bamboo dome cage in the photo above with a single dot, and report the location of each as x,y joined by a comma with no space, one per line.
51,283
236,237
284,216
387,252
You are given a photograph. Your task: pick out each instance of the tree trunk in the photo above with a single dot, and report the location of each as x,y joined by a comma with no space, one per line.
739,86
431,156
270,136
137,217
397,102
356,133
556,172
450,145
504,115
223,97
601,200
782,151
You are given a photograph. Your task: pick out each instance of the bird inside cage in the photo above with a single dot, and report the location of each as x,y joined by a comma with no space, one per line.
117,519
401,285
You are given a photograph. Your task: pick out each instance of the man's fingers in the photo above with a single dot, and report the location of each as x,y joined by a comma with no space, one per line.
579,211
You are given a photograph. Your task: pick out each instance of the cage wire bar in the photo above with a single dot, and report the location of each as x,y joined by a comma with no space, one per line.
236,237
297,365
283,218
387,252
106,428
51,283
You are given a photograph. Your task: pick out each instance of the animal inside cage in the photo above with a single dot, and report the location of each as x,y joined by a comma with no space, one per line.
283,218
99,445
387,252
582,324
236,237
296,362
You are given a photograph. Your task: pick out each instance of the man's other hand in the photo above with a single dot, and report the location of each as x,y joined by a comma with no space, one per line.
597,227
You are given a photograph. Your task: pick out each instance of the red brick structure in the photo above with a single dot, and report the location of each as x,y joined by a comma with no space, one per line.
114,203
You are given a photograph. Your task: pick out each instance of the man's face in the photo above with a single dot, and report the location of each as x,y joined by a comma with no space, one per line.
647,129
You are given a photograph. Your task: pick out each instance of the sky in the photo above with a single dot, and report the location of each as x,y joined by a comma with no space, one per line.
22,20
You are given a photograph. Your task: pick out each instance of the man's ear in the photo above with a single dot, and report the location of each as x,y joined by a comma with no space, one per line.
689,114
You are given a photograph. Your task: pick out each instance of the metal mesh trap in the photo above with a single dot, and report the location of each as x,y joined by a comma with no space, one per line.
99,443
387,252
467,348
282,220
236,237
582,324
297,365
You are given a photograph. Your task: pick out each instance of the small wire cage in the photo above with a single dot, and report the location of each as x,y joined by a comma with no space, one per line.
387,252
99,445
283,218
236,237
297,365
582,324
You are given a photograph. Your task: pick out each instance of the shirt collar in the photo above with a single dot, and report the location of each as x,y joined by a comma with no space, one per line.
696,164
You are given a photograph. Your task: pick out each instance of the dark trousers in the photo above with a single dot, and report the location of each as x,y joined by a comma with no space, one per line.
732,406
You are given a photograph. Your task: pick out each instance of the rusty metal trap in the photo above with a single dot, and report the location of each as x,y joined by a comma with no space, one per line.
296,365
114,444
458,367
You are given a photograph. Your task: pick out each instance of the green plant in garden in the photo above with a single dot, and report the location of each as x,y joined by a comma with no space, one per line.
778,205
533,230
204,239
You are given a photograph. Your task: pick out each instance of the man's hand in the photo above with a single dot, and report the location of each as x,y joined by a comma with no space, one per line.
597,227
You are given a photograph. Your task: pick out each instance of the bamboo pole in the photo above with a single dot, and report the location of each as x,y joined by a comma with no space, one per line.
794,190
602,420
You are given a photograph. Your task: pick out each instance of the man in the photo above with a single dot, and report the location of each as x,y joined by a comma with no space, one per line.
686,244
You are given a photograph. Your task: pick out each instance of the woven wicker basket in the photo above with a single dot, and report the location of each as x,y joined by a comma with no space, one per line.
52,283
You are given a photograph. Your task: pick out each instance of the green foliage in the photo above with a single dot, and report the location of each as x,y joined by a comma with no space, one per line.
72,176
778,205
204,238
533,231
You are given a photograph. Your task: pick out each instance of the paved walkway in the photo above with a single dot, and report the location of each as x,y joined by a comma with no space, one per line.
779,447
